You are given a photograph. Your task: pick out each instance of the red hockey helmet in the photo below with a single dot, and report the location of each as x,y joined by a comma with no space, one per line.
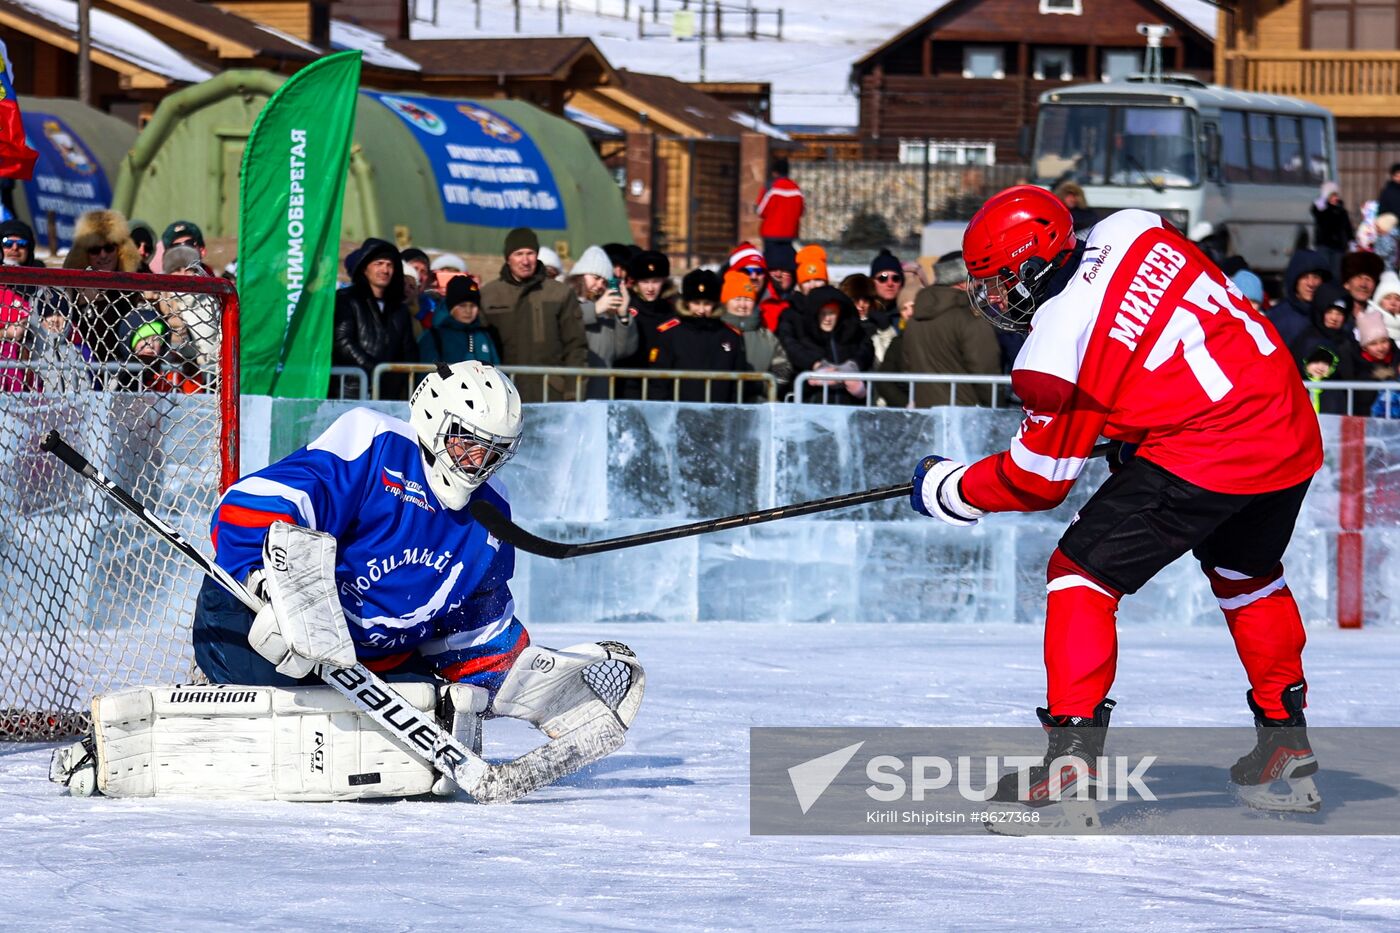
1013,247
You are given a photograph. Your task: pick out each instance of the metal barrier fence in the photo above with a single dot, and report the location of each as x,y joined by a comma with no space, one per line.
349,382
826,382
583,376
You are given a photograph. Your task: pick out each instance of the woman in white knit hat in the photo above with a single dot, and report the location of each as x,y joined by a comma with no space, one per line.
607,322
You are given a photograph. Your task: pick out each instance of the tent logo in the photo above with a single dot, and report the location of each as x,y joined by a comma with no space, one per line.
811,778
418,115
74,157
493,125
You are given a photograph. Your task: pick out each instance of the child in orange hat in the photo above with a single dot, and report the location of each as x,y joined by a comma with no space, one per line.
811,268
738,286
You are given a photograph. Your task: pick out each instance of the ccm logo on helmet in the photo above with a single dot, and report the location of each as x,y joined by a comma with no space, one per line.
1022,248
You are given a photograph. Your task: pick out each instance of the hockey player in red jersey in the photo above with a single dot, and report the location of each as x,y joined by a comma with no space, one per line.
1135,336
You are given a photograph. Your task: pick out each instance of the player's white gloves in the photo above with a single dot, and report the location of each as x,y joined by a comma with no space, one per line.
937,494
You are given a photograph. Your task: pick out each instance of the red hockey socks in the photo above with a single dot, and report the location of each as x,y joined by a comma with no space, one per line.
1081,638
1267,629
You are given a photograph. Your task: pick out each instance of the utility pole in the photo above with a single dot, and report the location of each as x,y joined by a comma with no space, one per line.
84,52
704,4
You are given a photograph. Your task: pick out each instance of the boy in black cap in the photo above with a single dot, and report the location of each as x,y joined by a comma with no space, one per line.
699,340
458,332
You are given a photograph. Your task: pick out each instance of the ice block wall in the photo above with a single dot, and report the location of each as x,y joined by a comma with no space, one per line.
599,469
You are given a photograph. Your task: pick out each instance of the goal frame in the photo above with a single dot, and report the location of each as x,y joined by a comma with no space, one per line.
35,724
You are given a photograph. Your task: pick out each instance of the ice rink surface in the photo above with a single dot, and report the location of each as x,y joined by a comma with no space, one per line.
656,837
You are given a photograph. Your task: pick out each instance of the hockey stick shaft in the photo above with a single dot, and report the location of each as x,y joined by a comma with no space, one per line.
506,530
418,733
495,521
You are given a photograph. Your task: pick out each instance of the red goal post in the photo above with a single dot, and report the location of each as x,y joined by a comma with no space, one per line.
140,374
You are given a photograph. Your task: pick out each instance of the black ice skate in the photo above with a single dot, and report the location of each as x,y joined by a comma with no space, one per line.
1042,800
1281,756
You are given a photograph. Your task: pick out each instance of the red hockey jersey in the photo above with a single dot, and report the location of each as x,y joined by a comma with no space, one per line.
781,209
1151,344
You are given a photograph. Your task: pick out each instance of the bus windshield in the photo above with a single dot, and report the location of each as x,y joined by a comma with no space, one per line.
1098,144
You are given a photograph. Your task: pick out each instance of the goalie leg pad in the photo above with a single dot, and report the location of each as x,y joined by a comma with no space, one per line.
559,691
237,742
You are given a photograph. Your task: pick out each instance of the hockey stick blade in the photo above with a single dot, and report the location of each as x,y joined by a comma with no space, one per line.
503,529
418,735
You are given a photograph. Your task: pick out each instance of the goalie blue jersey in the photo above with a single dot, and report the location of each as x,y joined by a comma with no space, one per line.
412,575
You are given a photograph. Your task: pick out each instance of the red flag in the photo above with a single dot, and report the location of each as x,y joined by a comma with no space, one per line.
16,158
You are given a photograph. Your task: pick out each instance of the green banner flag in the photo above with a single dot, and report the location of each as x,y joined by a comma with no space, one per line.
293,184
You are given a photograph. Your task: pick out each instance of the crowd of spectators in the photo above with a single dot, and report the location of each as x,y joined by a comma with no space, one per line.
771,309
117,337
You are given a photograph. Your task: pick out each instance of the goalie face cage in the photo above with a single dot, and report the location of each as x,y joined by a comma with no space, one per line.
140,373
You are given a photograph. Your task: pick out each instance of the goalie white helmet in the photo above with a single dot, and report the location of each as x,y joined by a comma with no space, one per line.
467,419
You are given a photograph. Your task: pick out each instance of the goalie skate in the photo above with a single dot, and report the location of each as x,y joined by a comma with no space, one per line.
75,767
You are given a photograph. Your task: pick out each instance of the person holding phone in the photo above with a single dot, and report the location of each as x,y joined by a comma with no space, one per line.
607,319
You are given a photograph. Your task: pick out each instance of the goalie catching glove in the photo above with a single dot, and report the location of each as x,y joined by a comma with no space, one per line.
301,623
937,493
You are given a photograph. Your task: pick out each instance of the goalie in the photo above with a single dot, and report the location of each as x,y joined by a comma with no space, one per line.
362,547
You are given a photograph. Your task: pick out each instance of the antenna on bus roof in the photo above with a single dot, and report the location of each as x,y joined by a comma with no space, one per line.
1155,33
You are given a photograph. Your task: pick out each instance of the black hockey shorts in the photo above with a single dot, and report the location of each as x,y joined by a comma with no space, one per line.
1144,518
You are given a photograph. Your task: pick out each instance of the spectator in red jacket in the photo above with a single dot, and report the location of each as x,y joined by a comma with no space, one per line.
780,206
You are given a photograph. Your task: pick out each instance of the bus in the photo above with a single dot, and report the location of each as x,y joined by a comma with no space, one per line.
1209,159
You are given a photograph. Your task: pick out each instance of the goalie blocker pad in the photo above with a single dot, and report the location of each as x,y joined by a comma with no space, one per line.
258,743
300,572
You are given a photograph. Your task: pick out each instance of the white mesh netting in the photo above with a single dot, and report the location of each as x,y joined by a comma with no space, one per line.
133,379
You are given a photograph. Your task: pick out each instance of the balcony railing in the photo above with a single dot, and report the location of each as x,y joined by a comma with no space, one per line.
1350,84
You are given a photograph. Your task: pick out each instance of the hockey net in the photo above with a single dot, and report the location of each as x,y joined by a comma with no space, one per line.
138,373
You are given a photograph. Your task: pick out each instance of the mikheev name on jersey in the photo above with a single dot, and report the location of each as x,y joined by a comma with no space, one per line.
1151,281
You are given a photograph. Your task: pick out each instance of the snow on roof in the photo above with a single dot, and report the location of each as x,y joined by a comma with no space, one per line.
349,36
288,37
588,121
748,121
120,39
1198,13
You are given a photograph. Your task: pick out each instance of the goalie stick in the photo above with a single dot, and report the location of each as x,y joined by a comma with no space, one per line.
417,733
495,521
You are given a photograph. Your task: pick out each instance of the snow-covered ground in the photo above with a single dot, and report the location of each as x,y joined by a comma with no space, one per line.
809,69
656,837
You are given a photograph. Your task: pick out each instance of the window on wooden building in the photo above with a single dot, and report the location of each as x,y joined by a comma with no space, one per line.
1071,7
984,61
1118,64
1052,64
947,152
1354,24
